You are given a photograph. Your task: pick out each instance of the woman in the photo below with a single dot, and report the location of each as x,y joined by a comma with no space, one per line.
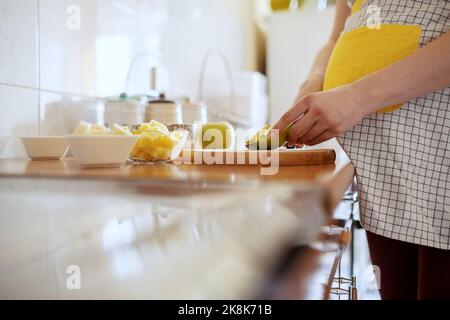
381,54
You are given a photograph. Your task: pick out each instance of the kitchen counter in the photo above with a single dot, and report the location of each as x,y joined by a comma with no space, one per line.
165,231
334,178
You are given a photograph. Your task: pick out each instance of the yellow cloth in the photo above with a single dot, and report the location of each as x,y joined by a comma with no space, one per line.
363,51
357,6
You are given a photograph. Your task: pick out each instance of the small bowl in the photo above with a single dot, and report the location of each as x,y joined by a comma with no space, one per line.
101,151
152,153
45,148
3,143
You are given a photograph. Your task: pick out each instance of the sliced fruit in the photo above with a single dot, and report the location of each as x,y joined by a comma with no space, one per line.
121,130
253,143
263,141
83,128
154,126
98,130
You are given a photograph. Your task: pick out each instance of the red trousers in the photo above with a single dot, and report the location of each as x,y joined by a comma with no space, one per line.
409,271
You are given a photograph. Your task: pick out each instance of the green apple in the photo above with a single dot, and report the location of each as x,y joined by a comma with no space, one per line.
218,135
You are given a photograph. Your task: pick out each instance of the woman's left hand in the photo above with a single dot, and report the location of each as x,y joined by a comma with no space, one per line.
322,116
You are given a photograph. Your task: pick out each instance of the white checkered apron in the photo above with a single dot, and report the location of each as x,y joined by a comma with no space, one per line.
403,158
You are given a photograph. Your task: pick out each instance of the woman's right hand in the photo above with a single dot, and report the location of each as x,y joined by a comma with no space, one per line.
312,85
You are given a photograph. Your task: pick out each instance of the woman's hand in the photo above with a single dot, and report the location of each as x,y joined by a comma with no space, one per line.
322,116
312,85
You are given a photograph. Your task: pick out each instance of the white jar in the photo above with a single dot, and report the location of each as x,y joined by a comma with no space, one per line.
62,117
123,112
194,113
163,110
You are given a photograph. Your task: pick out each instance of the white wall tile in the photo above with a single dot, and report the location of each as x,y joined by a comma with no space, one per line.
18,42
198,26
128,41
114,44
67,53
95,59
151,26
19,116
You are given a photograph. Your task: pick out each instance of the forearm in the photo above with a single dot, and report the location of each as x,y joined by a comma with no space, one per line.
427,70
321,62
320,65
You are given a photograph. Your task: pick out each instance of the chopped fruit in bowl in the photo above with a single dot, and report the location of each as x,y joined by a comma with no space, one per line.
157,144
153,126
82,129
95,146
121,130
88,129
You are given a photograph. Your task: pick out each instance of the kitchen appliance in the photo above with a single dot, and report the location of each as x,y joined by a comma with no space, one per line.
164,111
237,97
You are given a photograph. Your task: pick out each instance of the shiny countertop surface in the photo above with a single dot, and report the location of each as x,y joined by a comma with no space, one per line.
333,178
67,168
155,232
169,172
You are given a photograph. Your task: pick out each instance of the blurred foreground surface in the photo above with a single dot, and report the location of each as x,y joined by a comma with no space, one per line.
85,239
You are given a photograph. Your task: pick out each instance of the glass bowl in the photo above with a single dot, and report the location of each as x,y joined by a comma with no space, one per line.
155,146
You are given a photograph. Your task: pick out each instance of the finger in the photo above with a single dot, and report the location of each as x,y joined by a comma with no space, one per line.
300,128
322,138
314,132
292,115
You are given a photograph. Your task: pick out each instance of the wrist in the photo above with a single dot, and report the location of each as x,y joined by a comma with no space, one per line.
313,83
364,96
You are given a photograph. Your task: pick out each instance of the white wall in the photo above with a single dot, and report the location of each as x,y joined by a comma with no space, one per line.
42,60
198,26
294,39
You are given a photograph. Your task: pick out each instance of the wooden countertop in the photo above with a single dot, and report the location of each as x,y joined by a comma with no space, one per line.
335,178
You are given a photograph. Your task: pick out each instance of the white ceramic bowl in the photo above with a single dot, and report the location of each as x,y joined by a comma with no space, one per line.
101,151
44,148
3,143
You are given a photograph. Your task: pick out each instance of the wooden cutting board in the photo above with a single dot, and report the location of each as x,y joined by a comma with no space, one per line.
245,157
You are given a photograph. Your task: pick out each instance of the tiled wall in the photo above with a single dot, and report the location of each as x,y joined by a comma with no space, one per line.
46,57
